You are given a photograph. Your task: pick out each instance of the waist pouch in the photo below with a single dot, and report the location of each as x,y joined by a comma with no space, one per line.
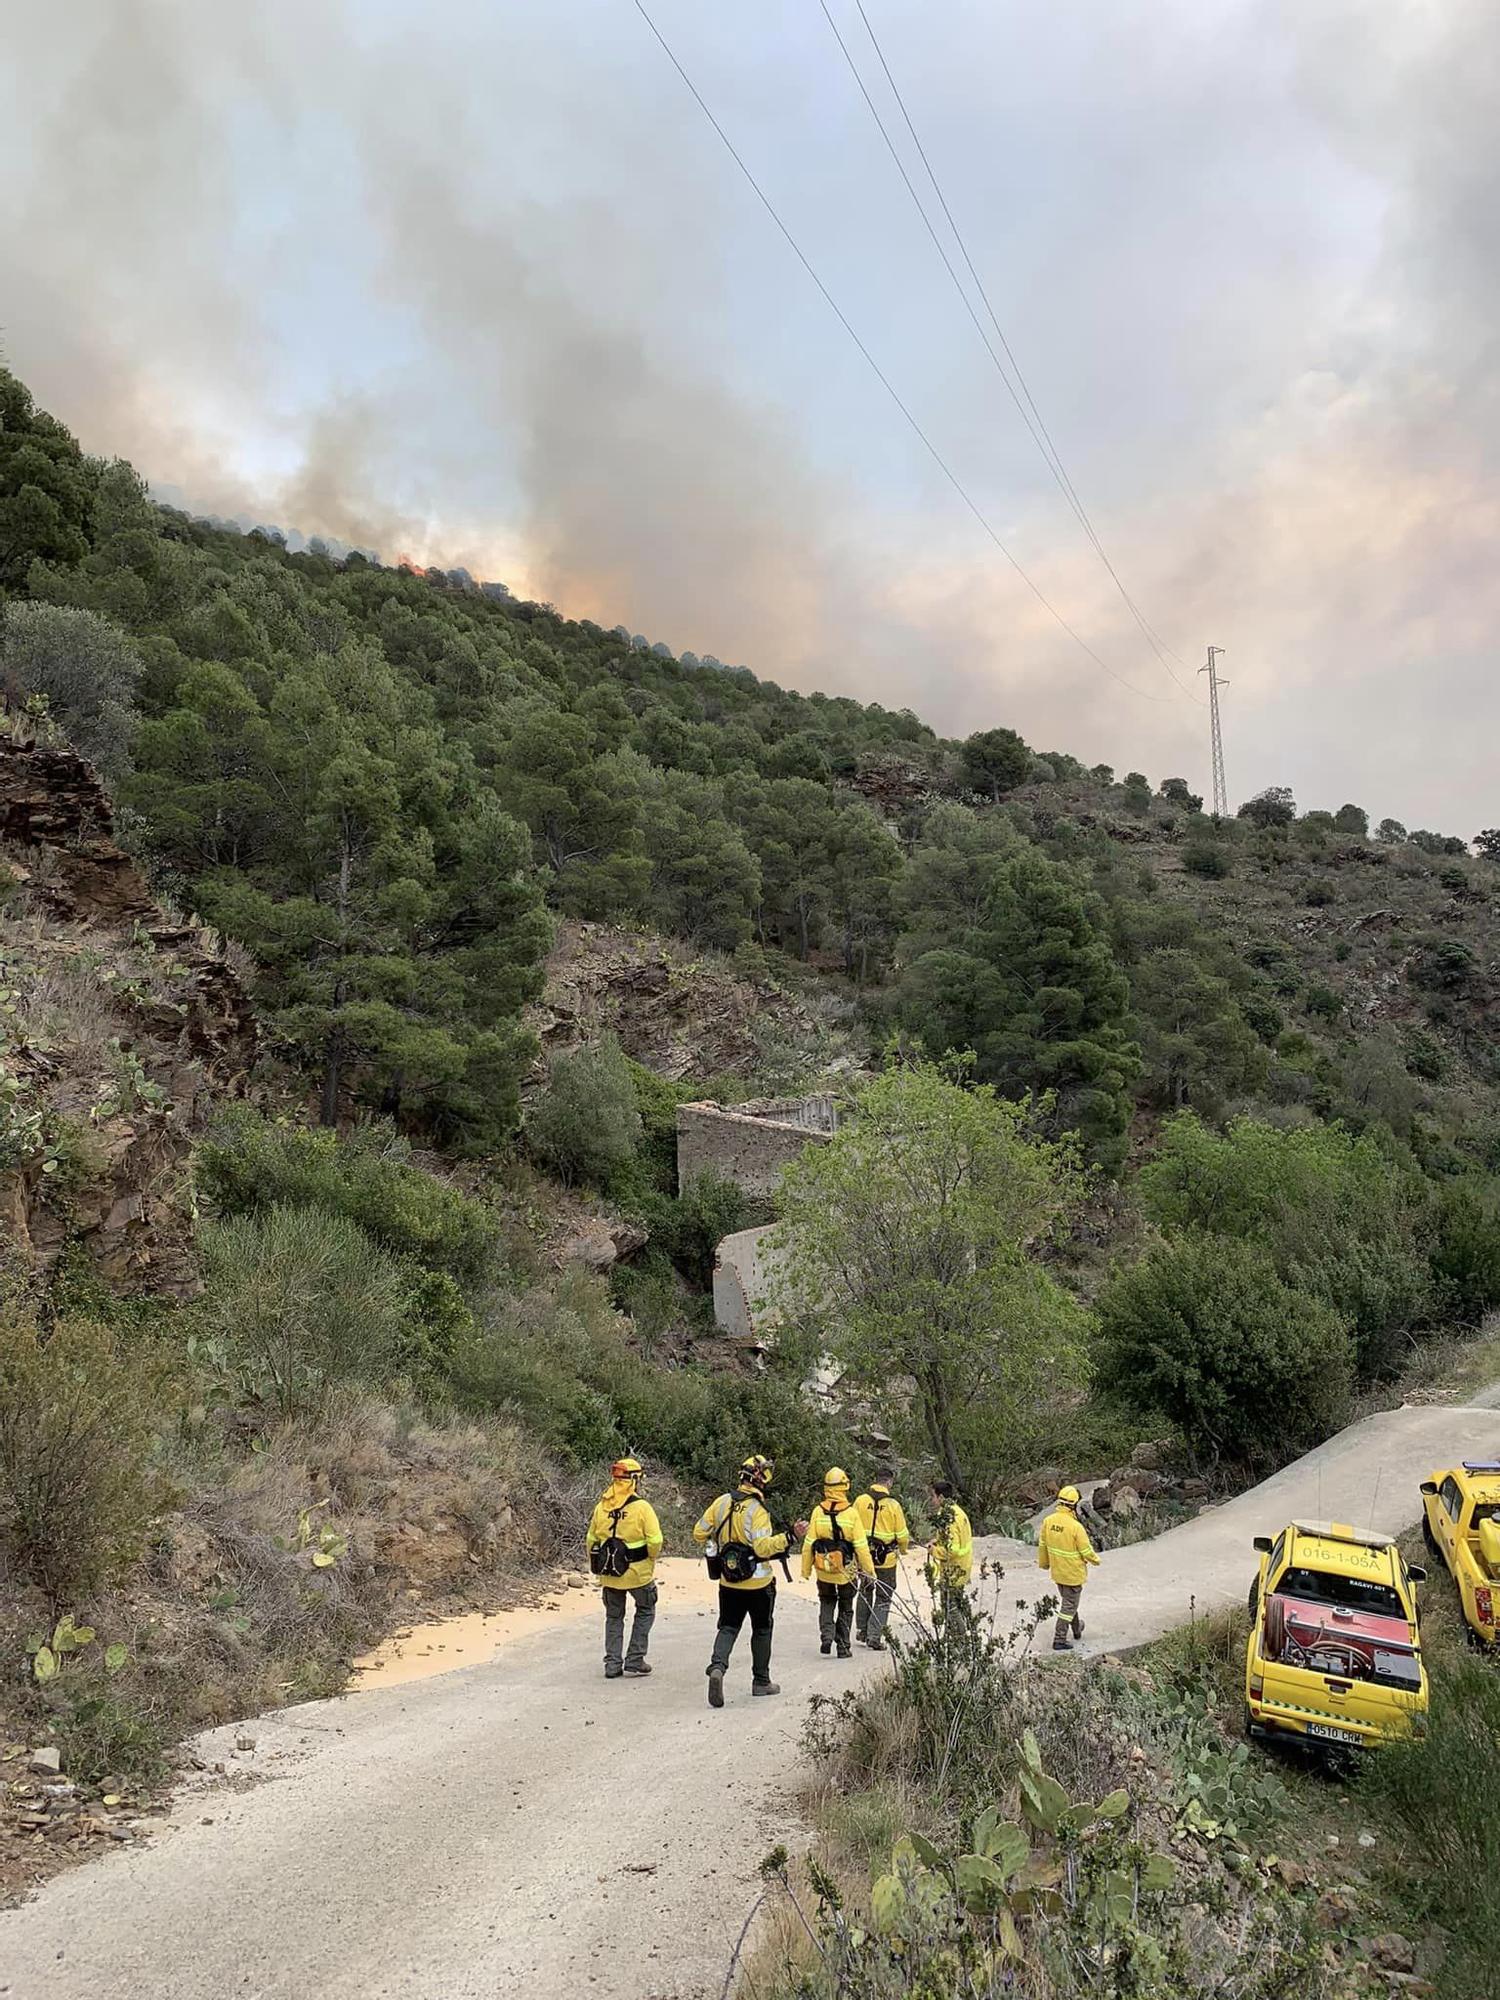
614,1557
881,1552
737,1562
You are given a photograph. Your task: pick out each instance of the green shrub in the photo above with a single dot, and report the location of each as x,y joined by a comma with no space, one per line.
584,1122
298,1299
1442,965
77,1490
1035,1863
1443,1788
649,1289
249,1164
1324,1002
1466,1254
1206,858
1263,1016
1425,1056
1343,1217
691,1228
1206,1331
559,1360
657,1100
84,667
1319,893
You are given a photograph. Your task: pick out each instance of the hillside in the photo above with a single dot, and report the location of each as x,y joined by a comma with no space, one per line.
381,782
343,1216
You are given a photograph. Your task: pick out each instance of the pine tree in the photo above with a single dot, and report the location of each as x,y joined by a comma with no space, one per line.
1034,991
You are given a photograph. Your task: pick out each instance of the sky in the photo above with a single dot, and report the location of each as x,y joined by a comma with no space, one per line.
478,284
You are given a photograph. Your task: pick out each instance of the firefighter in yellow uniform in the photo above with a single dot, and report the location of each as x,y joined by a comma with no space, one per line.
950,1553
1065,1552
835,1550
742,1542
885,1526
624,1540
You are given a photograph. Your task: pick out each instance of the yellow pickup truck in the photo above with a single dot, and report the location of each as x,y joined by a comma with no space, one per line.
1461,1523
1334,1657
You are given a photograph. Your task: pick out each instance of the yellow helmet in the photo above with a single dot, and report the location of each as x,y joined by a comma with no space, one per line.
1068,1495
626,1468
835,1476
757,1470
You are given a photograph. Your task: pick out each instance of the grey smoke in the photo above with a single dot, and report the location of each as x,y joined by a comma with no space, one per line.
477,285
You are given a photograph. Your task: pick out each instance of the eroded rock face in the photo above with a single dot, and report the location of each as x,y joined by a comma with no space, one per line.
124,1028
670,1009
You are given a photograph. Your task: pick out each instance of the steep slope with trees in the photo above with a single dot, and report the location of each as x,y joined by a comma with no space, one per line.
390,787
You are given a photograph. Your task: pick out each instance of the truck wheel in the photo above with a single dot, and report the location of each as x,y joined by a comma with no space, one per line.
1428,1536
1251,1600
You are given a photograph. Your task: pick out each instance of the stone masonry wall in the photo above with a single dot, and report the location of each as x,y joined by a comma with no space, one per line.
744,1147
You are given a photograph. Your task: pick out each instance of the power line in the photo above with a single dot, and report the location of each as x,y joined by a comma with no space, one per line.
885,382
1030,415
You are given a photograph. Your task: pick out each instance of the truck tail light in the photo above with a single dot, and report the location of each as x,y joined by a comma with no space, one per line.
1257,1686
1484,1606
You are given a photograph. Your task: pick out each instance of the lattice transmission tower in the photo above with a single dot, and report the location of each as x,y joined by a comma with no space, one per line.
1221,794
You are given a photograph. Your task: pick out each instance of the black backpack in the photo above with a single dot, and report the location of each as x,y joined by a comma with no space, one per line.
736,1561
612,1557
881,1551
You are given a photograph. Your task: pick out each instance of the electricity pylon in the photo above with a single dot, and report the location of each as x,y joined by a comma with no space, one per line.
1221,794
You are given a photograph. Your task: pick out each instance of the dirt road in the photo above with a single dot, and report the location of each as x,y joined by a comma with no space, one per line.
1368,1476
522,1827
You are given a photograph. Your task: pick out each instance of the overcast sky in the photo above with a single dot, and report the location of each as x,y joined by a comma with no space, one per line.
476,282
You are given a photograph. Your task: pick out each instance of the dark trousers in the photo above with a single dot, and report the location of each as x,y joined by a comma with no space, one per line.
875,1594
735,1606
640,1626
835,1613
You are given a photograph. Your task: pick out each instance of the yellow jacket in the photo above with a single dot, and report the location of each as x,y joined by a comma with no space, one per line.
885,1521
639,1529
1064,1547
830,1564
950,1553
752,1524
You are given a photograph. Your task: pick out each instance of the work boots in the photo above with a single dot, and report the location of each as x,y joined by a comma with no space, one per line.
1061,1643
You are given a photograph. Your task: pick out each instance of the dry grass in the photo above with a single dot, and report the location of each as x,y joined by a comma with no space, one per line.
1444,1368
66,1011
229,1614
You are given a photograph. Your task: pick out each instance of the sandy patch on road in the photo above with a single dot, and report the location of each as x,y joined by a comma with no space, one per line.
472,1638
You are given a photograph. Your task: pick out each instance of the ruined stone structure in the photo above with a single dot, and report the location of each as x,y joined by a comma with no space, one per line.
742,1273
749,1144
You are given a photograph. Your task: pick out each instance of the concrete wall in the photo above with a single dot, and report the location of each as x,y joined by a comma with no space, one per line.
747,1146
743,1269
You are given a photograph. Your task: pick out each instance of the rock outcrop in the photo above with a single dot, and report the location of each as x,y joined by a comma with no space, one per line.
120,1028
681,1015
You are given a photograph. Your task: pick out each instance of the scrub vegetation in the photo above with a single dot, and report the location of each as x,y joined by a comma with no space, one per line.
1151,1126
